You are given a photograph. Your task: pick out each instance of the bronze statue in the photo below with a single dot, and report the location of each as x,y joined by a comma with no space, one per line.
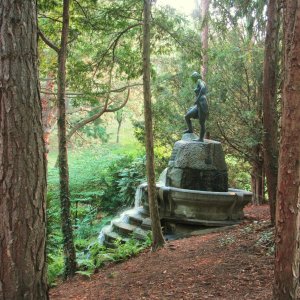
200,109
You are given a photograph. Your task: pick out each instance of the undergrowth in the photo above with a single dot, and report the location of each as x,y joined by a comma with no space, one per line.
99,255
102,183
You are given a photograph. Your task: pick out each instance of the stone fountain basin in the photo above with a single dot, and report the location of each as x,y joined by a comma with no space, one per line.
202,207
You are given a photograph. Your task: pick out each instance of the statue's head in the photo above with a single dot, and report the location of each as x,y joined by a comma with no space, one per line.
195,76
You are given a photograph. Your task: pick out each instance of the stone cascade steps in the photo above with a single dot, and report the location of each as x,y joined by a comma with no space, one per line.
133,225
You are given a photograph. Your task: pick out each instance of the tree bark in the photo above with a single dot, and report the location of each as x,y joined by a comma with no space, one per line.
204,36
288,194
158,240
66,222
257,176
22,157
119,118
270,140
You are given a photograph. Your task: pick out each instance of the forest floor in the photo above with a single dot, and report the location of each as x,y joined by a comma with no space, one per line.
232,264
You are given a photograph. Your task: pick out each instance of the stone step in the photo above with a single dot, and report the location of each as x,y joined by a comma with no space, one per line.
135,219
146,224
146,210
123,229
112,236
207,223
140,234
143,212
108,244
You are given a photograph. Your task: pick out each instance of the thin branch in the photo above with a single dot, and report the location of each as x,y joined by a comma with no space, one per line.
121,106
114,43
184,45
117,90
50,18
72,39
80,109
87,18
77,132
231,144
96,116
48,42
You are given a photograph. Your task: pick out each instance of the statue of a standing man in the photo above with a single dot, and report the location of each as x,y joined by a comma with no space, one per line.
200,110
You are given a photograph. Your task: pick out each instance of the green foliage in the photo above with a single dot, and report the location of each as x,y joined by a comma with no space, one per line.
102,182
238,173
55,263
98,255
124,176
95,130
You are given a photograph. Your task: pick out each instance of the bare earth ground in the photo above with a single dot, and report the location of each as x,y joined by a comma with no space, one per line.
231,264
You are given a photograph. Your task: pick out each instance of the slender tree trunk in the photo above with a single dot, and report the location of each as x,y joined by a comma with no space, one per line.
22,157
270,140
288,194
204,36
119,118
257,174
118,130
68,243
158,240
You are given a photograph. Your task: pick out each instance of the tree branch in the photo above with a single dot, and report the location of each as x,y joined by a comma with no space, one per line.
114,43
94,117
231,144
50,18
47,41
116,90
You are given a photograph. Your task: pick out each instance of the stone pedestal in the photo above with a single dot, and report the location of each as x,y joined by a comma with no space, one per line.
197,165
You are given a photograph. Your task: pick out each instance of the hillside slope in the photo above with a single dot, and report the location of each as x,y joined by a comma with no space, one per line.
231,264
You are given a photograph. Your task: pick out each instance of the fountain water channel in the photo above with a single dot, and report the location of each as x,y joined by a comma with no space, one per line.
192,194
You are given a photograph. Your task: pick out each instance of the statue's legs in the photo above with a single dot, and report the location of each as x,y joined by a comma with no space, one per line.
202,118
202,130
191,114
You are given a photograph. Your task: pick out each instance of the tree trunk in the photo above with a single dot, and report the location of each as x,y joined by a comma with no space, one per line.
257,177
204,36
270,140
288,194
119,118
118,131
158,240
49,111
22,157
66,222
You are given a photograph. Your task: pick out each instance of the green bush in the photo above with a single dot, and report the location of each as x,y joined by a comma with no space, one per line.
124,176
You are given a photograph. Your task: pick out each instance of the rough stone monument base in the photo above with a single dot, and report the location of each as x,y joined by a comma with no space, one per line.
197,165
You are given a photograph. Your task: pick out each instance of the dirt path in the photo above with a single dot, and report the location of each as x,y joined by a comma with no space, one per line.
233,264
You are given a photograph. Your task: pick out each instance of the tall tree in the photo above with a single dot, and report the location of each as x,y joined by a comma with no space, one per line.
288,194
158,239
66,222
69,249
22,157
204,36
270,139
